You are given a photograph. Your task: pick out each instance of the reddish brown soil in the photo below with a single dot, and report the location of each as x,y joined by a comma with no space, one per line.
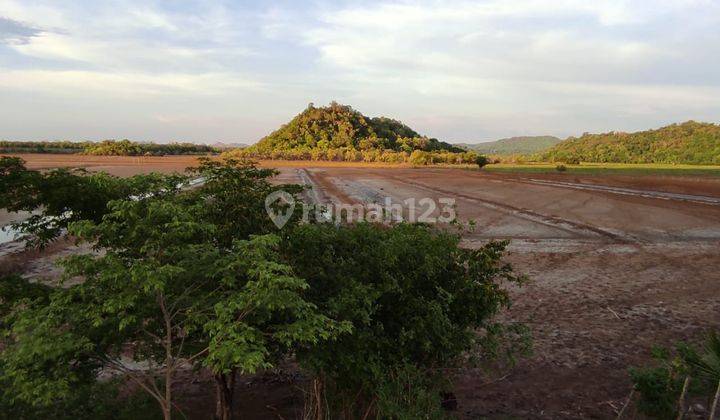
116,165
611,276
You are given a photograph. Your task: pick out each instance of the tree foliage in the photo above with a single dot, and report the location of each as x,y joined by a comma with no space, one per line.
338,132
61,196
415,300
60,147
690,142
180,280
130,148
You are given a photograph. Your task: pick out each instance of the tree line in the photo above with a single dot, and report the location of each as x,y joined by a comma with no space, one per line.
200,279
106,148
689,143
416,157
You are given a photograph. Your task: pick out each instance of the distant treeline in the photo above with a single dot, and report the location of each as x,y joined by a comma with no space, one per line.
43,146
687,143
129,148
344,154
106,148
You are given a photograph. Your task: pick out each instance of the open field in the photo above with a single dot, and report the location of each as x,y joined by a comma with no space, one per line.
617,263
128,165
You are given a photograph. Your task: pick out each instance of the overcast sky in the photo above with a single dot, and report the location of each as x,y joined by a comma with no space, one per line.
209,71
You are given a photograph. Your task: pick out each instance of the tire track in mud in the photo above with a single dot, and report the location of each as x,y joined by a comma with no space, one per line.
313,194
566,225
632,192
661,195
322,191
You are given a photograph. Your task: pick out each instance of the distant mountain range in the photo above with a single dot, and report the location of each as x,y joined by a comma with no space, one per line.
513,145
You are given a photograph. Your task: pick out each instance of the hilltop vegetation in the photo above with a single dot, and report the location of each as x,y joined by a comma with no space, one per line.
690,143
340,133
339,126
514,145
106,148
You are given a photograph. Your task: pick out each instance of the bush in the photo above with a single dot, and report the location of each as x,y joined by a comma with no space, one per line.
99,400
415,300
660,385
481,161
659,389
561,168
418,157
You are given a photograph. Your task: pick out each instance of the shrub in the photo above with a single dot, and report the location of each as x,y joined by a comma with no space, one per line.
415,300
418,157
481,161
561,168
660,385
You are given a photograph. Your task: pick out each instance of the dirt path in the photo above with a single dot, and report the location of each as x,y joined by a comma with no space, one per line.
630,191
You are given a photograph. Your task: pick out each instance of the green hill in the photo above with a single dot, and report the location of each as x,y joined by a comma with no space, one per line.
341,127
514,145
690,143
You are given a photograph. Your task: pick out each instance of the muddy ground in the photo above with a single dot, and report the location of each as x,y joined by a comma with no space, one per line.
617,264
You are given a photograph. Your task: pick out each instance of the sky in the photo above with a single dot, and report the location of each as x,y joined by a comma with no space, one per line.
233,71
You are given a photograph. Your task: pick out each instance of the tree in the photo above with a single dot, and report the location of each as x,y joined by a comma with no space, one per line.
233,195
165,289
418,157
415,300
690,142
180,281
481,160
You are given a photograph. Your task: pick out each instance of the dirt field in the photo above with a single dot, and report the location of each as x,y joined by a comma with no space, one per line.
617,264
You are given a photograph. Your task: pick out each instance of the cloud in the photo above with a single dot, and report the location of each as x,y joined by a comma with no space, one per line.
14,32
75,82
522,40
457,69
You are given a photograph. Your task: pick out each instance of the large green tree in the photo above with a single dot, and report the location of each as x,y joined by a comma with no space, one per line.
179,280
416,301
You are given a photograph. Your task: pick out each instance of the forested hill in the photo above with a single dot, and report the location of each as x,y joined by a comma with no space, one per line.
514,145
690,142
341,127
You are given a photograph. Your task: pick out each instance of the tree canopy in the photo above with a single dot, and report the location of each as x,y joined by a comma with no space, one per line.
340,126
690,142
